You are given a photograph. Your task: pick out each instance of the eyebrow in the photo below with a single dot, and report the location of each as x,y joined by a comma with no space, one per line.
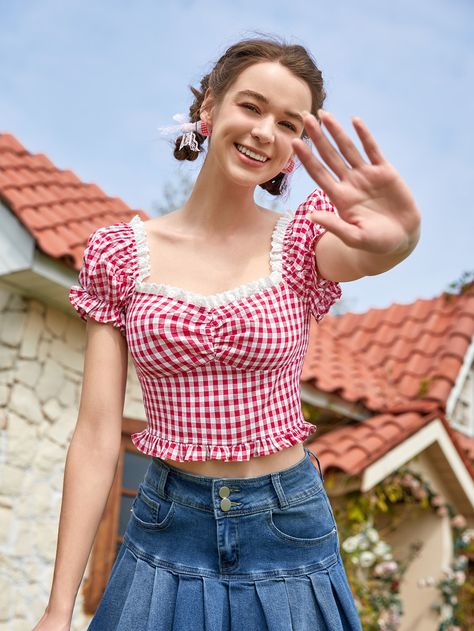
263,99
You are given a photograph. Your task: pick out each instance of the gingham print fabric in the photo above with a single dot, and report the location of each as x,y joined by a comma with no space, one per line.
107,276
220,374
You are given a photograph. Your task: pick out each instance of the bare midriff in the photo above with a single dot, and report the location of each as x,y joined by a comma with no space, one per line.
257,465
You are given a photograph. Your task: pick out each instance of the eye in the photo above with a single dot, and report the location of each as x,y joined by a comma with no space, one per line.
289,125
250,106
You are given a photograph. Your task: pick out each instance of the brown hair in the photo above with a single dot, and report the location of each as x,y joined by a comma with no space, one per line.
236,59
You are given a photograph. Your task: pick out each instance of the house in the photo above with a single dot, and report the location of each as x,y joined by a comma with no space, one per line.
387,386
393,386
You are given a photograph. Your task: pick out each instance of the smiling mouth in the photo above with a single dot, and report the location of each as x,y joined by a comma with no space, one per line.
258,157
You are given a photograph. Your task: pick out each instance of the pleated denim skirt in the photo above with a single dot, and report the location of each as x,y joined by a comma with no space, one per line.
229,554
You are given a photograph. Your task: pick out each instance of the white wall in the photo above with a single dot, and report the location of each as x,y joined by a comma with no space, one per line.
41,362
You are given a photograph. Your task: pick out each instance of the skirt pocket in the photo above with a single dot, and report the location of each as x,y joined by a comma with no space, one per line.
308,522
150,510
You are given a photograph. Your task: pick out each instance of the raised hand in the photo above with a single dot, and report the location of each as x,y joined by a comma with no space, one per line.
377,211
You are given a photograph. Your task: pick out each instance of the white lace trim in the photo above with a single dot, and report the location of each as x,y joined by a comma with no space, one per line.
211,300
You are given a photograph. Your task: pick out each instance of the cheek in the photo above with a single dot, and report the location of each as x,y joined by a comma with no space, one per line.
286,151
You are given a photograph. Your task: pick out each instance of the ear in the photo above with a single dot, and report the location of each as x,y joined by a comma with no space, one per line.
207,107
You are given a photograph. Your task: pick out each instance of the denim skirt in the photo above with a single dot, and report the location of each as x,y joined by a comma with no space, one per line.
229,554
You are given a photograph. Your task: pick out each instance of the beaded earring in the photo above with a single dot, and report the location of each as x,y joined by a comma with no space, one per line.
288,171
286,179
290,165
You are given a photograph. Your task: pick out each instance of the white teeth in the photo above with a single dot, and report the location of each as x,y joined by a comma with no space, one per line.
253,155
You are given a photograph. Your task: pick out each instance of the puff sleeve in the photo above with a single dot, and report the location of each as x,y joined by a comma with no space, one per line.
106,279
301,266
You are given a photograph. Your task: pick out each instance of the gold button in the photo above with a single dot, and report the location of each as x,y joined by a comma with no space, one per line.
224,491
226,504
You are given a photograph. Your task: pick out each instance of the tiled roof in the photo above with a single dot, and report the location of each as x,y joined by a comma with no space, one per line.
353,447
401,363
57,208
331,366
403,354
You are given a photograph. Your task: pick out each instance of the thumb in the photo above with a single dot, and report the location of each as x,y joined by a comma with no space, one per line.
333,223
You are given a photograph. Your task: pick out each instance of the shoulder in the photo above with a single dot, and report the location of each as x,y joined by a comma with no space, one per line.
113,246
316,200
113,234
107,277
304,232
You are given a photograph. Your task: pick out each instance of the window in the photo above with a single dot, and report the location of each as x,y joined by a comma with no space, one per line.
463,413
131,468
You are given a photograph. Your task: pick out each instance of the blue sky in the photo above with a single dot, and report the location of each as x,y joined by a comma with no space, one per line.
88,83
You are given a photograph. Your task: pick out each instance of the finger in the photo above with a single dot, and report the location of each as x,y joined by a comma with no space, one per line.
327,152
316,170
347,232
342,140
368,141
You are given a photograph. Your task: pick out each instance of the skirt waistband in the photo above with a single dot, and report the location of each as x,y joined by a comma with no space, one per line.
237,495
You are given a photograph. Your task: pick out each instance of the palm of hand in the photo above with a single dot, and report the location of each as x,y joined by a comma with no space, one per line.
377,211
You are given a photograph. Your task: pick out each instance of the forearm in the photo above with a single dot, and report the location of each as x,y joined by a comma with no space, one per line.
88,477
371,264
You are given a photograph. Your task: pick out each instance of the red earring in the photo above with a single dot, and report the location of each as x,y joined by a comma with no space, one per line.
289,166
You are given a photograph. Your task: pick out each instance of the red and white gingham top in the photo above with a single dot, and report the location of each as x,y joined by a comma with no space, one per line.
220,374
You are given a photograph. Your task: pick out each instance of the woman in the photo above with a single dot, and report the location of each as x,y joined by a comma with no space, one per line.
231,527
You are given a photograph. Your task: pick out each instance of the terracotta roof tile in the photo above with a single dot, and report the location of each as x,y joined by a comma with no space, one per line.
354,458
56,207
355,446
387,357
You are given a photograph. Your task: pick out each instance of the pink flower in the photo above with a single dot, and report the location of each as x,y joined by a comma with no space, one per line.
385,568
442,511
437,500
458,521
460,577
421,494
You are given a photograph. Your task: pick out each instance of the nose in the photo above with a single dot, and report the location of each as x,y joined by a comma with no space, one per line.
263,131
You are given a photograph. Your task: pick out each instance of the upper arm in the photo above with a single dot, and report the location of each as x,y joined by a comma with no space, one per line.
334,260
103,385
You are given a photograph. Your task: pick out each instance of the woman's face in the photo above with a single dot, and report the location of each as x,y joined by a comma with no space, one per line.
260,112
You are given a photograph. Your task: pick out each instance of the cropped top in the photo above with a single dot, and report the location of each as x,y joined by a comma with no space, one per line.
219,373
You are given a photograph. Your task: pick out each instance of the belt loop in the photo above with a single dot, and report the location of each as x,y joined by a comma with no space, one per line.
279,490
319,464
160,474
162,480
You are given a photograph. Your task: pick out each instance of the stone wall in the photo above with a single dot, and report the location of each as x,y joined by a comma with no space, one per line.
41,362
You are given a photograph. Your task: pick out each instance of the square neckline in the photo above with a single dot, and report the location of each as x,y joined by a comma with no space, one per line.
233,294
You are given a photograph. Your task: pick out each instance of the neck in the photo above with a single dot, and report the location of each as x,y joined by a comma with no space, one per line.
217,205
